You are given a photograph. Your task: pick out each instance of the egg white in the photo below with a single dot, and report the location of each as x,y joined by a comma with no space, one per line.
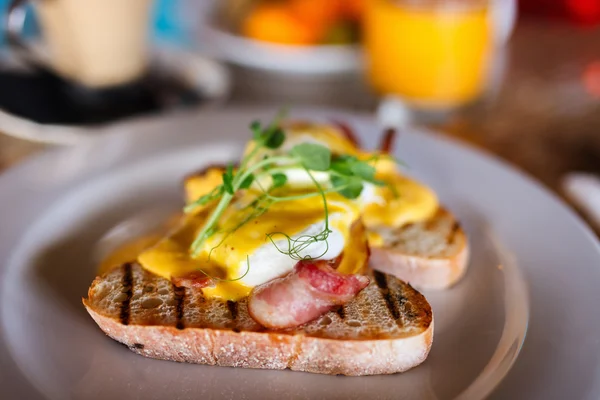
268,262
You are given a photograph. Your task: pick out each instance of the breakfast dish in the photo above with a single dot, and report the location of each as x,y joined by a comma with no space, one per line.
57,206
271,258
410,235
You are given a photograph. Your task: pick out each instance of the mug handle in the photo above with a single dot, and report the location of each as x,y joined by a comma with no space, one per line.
13,30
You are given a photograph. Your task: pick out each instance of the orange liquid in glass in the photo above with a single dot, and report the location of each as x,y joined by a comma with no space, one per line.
429,55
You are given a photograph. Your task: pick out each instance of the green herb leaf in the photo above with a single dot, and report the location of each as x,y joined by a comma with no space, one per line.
378,182
313,156
352,166
247,182
349,187
274,138
203,200
279,180
366,172
271,137
363,170
342,164
256,130
195,247
228,179
353,191
213,229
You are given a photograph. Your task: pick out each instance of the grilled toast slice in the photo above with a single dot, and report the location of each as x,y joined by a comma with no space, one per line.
432,254
387,328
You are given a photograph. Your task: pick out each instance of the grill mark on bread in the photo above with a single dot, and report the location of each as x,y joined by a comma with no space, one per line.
403,304
341,311
453,231
233,310
382,284
391,305
431,224
179,292
125,313
380,280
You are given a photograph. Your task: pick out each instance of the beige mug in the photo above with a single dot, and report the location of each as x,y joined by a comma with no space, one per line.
96,43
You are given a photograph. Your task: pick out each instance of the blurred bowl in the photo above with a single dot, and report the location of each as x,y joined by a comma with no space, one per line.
222,42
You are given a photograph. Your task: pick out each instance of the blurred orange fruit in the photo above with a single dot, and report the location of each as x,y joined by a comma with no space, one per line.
353,9
277,24
318,13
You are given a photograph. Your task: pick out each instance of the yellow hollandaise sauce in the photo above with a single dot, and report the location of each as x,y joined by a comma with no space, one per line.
356,253
403,201
127,252
242,242
406,201
202,183
304,132
326,135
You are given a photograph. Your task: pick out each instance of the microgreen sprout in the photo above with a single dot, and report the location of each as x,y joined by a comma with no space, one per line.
347,175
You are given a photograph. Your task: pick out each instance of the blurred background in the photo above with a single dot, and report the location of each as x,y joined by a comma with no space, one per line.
519,78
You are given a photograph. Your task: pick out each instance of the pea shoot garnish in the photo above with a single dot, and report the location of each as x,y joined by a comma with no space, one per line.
264,168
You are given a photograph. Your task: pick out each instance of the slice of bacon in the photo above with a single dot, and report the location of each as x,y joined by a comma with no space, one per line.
193,280
310,290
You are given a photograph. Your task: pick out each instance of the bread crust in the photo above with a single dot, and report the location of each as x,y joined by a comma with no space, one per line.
270,350
354,340
425,271
422,272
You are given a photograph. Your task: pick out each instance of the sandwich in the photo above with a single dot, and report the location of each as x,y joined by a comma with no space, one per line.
268,265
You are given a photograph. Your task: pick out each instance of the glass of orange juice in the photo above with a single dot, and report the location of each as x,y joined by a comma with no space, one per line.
432,54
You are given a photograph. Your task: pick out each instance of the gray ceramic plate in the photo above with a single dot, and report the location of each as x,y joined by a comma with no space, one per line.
535,268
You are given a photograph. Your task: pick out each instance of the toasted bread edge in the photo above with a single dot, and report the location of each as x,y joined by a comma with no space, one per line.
421,271
270,350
